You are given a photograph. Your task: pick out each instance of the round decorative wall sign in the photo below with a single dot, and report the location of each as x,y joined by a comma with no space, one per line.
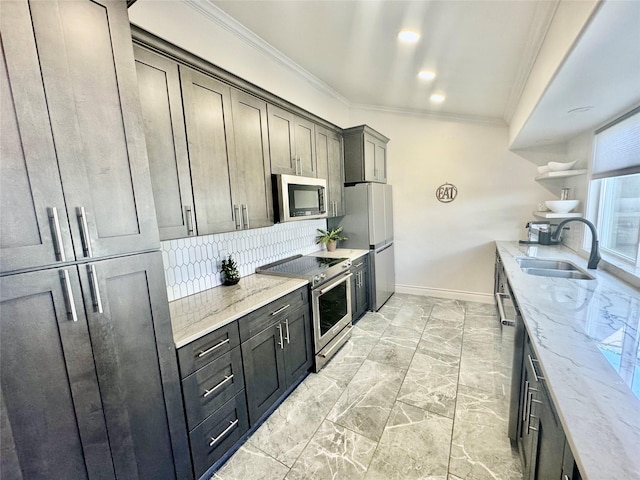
446,193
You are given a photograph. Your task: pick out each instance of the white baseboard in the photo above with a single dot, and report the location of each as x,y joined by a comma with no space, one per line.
442,293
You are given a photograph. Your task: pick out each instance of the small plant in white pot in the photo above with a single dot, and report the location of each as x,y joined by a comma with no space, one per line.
330,238
230,273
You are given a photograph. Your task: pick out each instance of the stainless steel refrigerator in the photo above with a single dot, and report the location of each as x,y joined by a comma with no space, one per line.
368,224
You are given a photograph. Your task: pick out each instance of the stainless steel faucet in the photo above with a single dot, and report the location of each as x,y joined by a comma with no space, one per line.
594,256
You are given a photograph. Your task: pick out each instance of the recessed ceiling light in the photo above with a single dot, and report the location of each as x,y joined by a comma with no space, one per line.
409,36
437,98
426,75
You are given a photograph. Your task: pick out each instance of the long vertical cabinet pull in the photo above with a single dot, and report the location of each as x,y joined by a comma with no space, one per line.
84,232
95,288
57,234
189,219
68,295
245,216
236,217
281,342
286,324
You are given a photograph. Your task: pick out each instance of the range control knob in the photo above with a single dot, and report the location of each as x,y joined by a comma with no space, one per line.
323,276
316,279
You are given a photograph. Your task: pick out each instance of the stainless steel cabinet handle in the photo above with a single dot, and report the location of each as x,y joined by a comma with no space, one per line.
503,317
68,295
281,309
210,391
84,232
566,477
533,362
189,219
299,166
236,216
95,290
358,265
57,234
525,410
245,216
215,440
208,351
279,327
286,325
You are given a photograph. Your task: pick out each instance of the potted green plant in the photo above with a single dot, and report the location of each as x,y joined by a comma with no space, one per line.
330,238
230,273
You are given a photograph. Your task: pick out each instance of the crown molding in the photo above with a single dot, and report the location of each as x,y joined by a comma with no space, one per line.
455,117
221,18
543,15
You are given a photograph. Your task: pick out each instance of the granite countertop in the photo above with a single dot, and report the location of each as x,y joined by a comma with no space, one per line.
196,315
585,334
350,253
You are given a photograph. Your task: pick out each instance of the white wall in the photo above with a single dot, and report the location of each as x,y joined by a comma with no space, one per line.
447,249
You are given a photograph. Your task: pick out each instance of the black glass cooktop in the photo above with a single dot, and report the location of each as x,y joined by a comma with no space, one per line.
301,266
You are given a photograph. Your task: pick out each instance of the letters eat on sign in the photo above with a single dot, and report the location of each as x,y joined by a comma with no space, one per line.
446,193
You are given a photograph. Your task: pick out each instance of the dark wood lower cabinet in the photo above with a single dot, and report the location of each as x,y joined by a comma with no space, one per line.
90,389
359,288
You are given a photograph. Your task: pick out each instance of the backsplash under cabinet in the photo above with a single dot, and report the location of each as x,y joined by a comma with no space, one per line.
192,264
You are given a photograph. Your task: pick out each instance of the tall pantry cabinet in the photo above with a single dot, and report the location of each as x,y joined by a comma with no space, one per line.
89,381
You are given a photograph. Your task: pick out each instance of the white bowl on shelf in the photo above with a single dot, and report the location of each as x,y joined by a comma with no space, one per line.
560,167
561,206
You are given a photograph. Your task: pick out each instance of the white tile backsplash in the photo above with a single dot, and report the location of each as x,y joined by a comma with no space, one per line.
192,264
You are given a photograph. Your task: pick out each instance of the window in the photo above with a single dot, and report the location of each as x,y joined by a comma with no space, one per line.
616,186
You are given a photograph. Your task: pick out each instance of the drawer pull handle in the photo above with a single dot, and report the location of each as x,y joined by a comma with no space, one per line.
208,351
358,265
282,309
231,426
533,367
209,392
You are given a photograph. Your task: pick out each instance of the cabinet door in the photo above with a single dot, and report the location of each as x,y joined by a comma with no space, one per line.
128,316
207,109
298,349
264,375
370,144
551,440
305,146
330,167
30,188
282,142
52,421
529,416
86,58
161,100
252,173
380,162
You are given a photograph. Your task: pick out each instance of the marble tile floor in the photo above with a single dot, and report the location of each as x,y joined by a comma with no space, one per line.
420,391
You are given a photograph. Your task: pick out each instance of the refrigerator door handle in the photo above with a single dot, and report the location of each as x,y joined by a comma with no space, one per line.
382,249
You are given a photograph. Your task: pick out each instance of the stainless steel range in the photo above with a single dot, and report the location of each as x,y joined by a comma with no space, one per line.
330,299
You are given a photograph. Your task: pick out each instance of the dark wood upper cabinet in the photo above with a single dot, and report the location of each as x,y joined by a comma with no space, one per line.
161,100
291,143
207,110
251,180
365,155
80,154
330,167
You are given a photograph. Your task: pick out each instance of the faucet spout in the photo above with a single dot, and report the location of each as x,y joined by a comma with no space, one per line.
594,256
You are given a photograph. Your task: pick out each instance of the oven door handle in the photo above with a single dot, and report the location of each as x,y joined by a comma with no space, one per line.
333,285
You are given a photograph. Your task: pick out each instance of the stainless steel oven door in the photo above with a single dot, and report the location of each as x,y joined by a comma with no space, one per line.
331,304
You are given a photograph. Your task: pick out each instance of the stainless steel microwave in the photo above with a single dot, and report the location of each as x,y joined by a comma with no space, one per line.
300,198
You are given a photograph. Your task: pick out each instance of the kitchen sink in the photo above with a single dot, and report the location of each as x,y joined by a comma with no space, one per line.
546,267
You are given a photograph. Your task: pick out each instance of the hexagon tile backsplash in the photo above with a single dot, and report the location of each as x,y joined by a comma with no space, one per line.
192,264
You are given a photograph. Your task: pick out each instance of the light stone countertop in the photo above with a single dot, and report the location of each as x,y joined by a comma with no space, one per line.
350,253
570,323
196,315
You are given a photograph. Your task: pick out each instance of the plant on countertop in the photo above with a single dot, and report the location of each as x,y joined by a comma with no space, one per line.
330,237
230,271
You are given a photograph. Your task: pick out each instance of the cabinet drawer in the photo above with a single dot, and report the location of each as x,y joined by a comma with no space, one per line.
206,349
213,437
257,321
207,389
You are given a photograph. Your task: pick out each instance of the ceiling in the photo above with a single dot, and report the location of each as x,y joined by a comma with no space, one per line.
481,51
478,49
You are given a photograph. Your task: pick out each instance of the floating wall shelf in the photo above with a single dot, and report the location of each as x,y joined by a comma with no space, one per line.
561,174
556,215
